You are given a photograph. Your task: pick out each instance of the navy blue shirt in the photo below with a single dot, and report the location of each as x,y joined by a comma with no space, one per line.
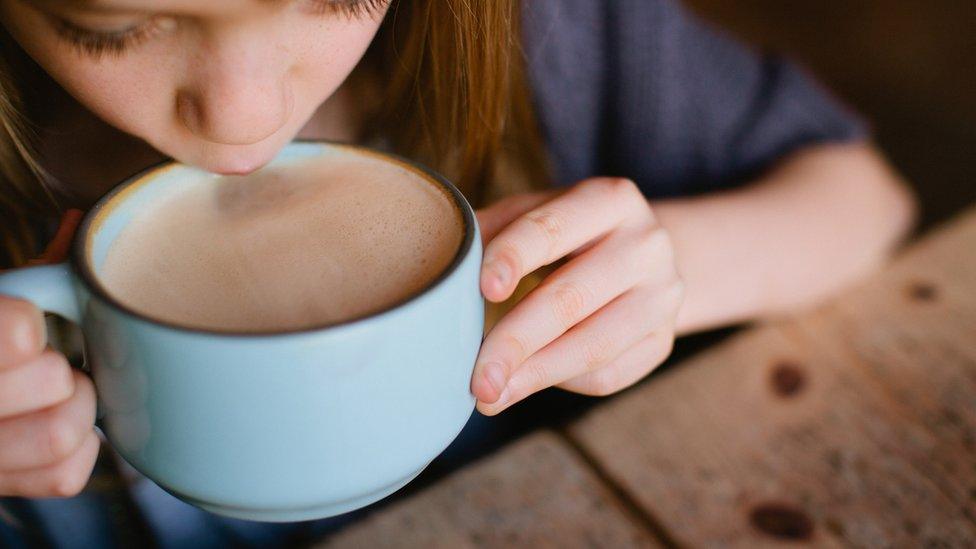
644,89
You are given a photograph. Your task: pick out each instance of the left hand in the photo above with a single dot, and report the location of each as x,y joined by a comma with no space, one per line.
598,323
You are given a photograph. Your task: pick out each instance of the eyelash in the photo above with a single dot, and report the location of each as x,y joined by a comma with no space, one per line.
350,8
97,44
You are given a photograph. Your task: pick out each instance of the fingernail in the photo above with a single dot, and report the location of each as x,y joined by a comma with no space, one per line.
496,376
502,401
29,338
500,270
497,407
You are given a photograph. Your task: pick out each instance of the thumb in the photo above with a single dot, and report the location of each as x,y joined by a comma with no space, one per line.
497,216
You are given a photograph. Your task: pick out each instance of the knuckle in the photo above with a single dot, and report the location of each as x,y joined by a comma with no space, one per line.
649,322
508,253
67,482
85,390
54,359
678,286
662,350
676,293
657,241
62,436
656,253
596,350
604,382
56,378
626,187
549,223
615,186
568,303
515,344
537,378
70,477
23,321
83,383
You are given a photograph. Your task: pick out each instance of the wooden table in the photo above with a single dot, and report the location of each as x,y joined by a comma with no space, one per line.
850,425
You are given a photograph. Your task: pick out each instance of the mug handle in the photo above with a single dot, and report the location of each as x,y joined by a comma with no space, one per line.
48,287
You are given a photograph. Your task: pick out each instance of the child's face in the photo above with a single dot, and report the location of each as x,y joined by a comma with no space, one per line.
222,84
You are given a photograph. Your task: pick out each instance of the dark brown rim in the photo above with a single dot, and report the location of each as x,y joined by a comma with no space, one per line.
79,248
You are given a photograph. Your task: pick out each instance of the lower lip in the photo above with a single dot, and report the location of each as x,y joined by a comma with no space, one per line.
235,171
249,164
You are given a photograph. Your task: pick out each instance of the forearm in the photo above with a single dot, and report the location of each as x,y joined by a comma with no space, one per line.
820,220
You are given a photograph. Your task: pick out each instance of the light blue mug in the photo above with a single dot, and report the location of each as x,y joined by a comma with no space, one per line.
282,426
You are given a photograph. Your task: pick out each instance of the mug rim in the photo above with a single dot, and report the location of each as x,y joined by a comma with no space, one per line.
79,257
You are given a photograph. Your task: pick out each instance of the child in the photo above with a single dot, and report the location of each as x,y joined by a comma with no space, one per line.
682,181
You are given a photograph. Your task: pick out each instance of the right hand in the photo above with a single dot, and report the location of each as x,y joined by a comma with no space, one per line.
47,409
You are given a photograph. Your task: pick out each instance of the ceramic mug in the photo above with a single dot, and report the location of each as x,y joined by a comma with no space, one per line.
286,426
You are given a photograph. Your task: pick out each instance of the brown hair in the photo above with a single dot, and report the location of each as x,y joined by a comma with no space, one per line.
448,88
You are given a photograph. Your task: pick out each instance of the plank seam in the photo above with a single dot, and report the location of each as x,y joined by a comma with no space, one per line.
638,514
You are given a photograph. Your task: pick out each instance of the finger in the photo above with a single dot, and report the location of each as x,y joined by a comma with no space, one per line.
64,479
44,381
570,294
495,217
22,332
57,249
49,436
553,230
590,345
627,369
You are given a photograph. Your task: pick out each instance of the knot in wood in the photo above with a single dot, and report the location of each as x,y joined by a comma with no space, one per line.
781,521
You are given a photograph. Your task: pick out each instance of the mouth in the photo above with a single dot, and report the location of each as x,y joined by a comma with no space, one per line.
242,161
235,171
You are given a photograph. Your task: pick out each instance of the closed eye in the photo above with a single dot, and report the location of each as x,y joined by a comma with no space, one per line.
96,43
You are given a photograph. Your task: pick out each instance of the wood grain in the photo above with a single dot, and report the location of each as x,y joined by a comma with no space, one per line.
534,493
851,425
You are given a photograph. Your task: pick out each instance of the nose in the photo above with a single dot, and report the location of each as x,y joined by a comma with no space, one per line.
237,97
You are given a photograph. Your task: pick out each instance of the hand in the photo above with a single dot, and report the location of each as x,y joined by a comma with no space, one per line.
47,410
598,323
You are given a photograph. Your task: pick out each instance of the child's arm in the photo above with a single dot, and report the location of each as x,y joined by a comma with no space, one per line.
647,91
820,219
638,272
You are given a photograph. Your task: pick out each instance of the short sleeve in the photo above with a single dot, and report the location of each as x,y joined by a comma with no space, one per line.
644,89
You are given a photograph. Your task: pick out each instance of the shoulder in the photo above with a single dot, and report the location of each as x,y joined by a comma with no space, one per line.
581,55
579,25
551,19
646,89
588,46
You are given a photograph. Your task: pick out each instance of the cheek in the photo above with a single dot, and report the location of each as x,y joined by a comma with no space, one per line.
135,98
124,91
133,93
324,57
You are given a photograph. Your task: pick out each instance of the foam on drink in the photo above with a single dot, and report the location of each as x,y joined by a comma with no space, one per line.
305,244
